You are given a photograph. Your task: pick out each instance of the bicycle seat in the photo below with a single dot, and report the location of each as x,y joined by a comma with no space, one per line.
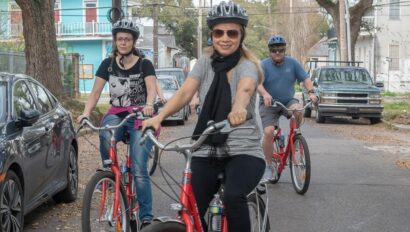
126,137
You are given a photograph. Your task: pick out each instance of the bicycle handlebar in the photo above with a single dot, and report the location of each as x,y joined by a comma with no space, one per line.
276,103
223,126
86,122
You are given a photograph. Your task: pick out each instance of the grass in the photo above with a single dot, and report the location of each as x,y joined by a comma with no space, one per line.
393,110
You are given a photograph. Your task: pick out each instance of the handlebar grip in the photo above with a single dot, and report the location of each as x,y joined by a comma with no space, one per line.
144,135
83,119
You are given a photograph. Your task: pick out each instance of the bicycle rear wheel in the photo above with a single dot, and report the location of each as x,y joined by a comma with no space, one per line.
300,165
275,163
98,205
169,226
257,214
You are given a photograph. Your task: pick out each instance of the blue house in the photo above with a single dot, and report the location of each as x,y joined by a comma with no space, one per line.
82,27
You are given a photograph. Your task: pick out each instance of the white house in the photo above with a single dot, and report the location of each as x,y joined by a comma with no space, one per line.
385,50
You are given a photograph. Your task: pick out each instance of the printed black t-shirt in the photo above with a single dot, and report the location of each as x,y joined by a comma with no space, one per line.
127,87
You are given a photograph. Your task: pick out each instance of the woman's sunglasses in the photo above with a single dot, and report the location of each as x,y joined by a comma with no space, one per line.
277,50
233,34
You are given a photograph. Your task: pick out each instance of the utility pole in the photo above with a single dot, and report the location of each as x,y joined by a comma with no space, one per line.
199,30
155,32
292,26
116,12
349,45
342,29
270,18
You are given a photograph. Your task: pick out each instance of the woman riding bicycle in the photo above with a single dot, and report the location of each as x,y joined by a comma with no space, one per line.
132,83
226,78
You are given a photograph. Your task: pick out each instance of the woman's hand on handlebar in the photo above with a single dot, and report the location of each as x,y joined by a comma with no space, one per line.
154,122
237,116
267,100
148,110
81,117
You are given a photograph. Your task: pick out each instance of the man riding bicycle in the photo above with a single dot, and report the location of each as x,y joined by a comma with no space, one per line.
281,73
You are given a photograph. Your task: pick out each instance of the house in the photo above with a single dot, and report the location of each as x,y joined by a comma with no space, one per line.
82,27
385,49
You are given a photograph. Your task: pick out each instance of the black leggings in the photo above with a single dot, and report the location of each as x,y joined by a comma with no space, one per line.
242,175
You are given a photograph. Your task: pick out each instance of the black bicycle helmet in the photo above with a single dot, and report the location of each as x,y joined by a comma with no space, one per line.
227,13
126,25
275,40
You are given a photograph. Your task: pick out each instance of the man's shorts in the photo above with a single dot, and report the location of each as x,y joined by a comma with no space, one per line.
270,115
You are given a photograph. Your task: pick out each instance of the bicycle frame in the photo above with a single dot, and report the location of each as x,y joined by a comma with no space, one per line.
283,154
187,207
115,169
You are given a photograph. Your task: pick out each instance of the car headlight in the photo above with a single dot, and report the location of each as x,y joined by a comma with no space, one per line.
329,94
375,102
374,95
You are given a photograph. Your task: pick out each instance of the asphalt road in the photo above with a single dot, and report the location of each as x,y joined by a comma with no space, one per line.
353,188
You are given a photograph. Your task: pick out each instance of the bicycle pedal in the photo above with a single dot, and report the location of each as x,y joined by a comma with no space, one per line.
176,206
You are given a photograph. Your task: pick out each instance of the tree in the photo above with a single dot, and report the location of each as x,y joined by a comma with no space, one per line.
356,13
41,44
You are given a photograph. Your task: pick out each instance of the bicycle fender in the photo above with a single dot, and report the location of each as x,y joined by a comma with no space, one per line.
167,219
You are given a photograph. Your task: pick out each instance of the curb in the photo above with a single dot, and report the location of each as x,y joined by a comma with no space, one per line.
398,126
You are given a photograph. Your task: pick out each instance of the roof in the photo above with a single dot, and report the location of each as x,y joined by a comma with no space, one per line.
320,49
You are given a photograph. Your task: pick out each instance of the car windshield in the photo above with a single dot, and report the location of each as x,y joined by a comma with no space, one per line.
345,76
168,84
178,74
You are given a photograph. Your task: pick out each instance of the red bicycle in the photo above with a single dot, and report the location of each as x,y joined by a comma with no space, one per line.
110,199
296,147
188,219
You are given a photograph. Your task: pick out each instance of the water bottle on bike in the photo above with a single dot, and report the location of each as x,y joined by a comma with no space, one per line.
215,214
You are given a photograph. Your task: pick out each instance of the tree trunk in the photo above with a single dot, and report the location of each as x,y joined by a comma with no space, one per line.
40,44
356,13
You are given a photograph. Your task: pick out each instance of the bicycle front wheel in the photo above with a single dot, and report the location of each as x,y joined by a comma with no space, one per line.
98,205
300,165
153,160
169,226
275,163
259,218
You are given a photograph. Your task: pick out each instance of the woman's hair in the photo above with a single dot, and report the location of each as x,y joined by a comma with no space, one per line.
246,53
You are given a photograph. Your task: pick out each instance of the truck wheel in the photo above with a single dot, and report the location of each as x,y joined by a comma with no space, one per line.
375,120
319,117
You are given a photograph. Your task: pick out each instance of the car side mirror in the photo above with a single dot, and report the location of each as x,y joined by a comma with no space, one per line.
28,117
379,84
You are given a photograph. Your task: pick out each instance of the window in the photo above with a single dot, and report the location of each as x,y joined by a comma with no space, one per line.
42,98
394,9
394,55
22,98
90,11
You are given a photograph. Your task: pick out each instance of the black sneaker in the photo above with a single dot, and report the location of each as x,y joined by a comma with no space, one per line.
145,224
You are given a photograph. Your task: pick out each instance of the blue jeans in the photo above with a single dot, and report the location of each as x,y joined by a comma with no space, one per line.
139,157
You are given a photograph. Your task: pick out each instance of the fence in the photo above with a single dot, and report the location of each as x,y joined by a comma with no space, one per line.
15,62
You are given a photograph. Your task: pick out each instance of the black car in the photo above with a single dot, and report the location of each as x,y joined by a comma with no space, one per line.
38,150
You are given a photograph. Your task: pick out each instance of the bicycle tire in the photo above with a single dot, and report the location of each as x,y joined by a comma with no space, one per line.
257,217
90,219
275,164
300,172
168,226
153,160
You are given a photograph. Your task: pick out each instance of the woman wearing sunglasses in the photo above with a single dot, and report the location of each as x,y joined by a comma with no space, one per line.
226,78
281,73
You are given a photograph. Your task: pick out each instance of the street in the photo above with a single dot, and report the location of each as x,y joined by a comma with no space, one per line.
355,184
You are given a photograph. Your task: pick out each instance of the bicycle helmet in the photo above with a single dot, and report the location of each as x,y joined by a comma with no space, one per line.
126,25
276,40
227,13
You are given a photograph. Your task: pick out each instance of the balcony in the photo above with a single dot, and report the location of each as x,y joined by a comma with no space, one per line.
367,26
77,29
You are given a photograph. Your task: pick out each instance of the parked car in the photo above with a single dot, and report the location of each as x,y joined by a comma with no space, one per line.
170,86
178,72
345,91
38,149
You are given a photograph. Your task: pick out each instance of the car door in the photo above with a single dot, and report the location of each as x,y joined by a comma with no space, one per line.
33,142
52,119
